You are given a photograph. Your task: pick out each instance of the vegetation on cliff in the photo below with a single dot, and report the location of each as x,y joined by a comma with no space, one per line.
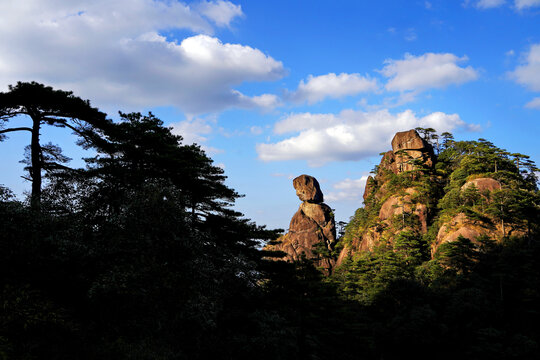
436,289
469,188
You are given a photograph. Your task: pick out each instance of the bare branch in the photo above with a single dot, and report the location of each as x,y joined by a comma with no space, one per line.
15,129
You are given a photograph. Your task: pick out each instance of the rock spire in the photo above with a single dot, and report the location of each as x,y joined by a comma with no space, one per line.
312,231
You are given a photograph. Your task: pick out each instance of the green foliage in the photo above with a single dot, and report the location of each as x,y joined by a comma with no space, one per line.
399,181
364,276
464,299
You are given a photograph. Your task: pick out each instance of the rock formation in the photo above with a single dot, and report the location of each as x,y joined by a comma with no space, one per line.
413,201
395,207
461,225
312,228
407,194
483,184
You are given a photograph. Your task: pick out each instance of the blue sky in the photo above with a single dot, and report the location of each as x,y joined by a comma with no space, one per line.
277,89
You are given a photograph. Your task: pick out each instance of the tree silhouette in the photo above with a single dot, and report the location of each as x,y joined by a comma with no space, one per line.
44,106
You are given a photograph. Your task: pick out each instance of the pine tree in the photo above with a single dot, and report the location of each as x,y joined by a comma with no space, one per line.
44,106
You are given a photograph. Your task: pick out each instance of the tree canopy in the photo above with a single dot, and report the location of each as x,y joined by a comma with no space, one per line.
44,106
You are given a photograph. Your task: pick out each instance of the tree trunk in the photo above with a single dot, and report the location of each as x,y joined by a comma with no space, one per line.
502,221
35,172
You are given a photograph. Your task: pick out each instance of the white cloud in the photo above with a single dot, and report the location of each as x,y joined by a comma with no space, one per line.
524,4
318,88
304,121
117,53
489,4
418,73
192,131
528,74
256,130
347,190
534,103
410,35
196,131
220,12
350,135
264,101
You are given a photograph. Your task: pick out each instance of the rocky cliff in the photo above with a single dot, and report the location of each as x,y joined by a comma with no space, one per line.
417,201
394,200
312,231
470,189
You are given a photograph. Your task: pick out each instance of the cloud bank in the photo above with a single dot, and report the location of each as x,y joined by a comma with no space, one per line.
317,88
119,53
428,71
350,135
528,73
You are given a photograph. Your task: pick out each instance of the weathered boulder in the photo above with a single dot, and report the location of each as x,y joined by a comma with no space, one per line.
408,148
460,225
483,184
308,189
399,204
312,226
408,140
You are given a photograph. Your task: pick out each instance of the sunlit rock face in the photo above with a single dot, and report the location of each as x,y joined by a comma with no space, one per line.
308,189
471,228
483,184
311,227
409,153
407,147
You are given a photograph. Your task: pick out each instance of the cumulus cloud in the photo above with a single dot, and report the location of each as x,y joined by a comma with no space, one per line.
117,53
489,4
196,131
317,88
534,103
528,73
419,73
264,101
256,130
524,4
350,135
347,190
220,12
